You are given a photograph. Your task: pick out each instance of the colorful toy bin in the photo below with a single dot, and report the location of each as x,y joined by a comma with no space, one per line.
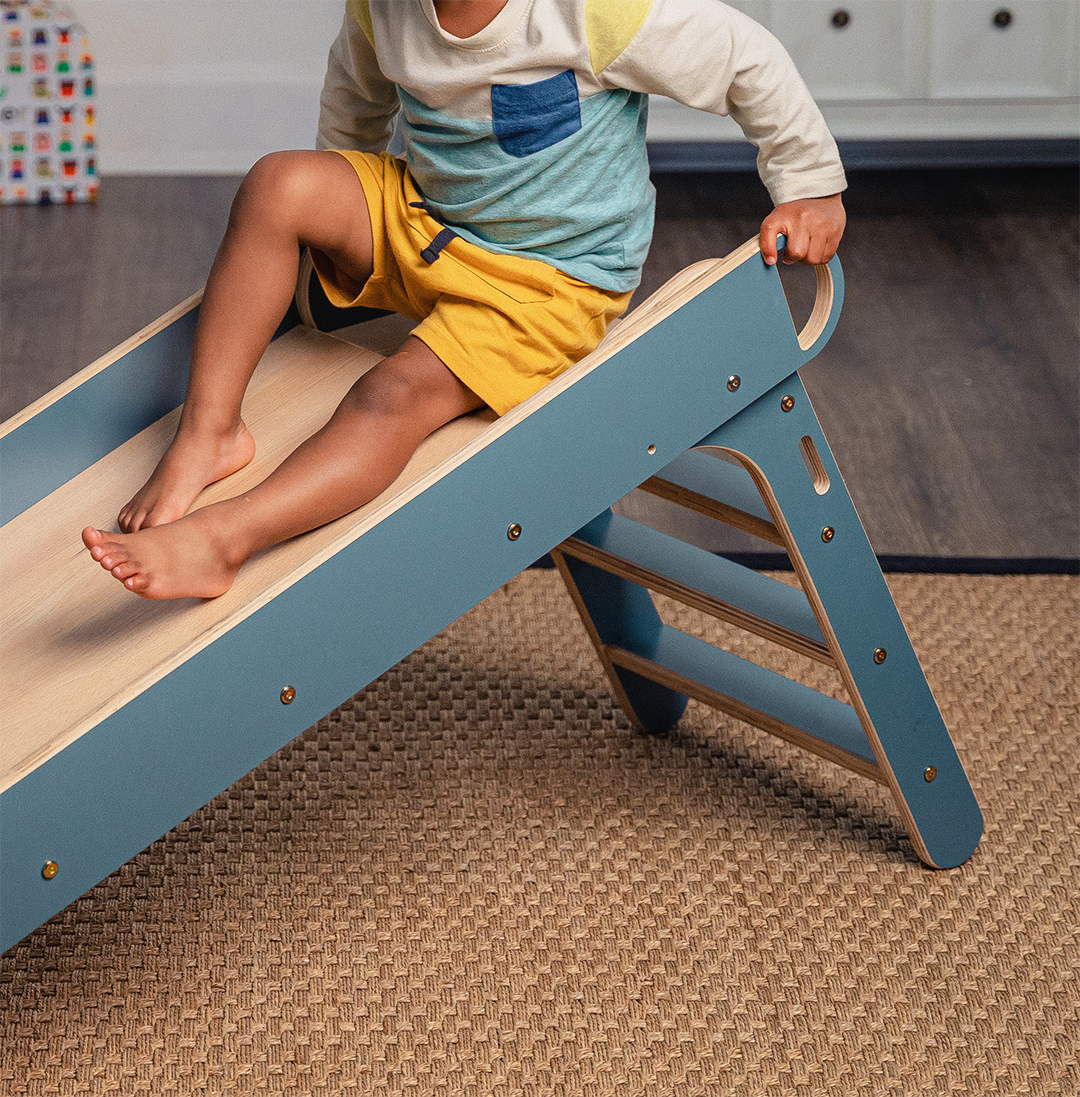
48,115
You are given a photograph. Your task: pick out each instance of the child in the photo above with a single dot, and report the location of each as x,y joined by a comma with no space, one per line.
513,233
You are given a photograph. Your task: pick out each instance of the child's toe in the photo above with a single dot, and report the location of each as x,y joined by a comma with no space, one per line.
124,570
91,537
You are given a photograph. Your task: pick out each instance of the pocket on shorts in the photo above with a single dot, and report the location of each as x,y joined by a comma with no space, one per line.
526,281
527,118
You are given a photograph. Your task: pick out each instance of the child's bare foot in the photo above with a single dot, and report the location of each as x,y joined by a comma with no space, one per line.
188,558
192,461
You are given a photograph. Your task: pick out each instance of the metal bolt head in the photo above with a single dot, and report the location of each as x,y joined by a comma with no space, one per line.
288,695
930,773
733,382
827,534
880,655
787,403
514,532
50,869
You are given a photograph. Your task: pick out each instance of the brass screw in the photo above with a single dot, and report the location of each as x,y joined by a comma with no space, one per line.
930,773
827,534
652,450
288,695
50,869
787,403
733,382
514,532
880,655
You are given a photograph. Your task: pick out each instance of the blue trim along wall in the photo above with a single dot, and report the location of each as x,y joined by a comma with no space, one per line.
740,156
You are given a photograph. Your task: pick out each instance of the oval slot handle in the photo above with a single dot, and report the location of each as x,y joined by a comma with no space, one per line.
814,465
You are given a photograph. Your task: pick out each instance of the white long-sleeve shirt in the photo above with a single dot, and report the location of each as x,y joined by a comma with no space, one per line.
529,136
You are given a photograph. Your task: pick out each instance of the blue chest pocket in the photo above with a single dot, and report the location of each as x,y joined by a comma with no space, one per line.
530,117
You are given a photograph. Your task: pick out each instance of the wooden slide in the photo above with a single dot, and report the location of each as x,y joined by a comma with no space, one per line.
119,717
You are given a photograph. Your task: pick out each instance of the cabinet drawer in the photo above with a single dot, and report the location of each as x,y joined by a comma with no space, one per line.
856,49
989,49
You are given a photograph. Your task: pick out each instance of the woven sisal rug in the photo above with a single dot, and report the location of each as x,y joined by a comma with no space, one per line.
475,879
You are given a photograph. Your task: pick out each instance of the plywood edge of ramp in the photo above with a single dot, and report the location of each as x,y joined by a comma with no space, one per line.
121,717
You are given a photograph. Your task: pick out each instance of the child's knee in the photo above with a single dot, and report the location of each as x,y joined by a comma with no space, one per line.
412,386
385,391
278,184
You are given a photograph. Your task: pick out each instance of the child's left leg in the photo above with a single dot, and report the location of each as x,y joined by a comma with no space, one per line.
358,454
287,199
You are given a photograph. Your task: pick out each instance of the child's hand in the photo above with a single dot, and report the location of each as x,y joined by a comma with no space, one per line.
813,227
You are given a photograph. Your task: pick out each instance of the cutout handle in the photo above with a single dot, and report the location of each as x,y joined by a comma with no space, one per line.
827,302
823,307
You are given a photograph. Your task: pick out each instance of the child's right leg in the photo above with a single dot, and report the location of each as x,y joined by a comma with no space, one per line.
287,199
387,413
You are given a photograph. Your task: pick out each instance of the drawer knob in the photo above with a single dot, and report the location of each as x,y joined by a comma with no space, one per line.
1003,18
841,18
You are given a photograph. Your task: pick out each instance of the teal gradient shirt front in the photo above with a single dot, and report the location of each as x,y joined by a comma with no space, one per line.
583,204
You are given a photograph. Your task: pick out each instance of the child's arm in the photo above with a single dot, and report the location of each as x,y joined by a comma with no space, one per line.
358,104
707,55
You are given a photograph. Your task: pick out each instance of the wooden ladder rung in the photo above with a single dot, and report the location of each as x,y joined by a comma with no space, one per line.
725,590
754,694
717,489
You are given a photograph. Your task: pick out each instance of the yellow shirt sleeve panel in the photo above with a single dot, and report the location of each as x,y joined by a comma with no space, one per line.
361,12
610,26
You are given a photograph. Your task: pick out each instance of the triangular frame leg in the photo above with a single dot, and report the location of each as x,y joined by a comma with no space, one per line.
780,443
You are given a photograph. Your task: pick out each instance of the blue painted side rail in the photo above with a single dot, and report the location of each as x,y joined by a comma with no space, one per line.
97,415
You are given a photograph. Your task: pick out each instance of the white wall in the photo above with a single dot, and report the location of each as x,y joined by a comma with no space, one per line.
205,86
208,86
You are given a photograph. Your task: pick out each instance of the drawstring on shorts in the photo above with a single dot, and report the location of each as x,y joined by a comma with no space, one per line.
432,251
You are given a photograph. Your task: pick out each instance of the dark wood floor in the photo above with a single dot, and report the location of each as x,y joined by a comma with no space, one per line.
78,280
949,391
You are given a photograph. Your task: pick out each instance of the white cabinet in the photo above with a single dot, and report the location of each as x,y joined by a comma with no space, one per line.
911,70
847,52
984,49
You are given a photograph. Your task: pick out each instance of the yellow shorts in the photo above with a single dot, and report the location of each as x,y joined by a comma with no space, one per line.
504,325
